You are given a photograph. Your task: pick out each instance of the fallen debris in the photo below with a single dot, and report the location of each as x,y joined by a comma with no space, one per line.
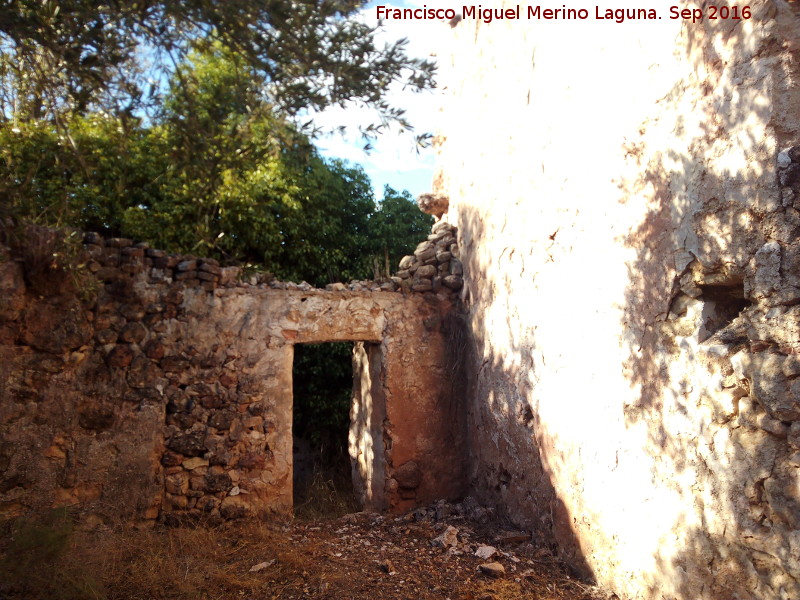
492,569
362,556
262,566
448,539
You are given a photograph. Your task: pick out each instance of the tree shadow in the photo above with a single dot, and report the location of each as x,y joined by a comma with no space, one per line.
512,453
715,462
703,320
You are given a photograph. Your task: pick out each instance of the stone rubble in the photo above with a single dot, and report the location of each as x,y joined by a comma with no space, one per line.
492,569
434,266
448,539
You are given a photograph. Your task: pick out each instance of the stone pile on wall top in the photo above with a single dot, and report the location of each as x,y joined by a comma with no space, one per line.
434,266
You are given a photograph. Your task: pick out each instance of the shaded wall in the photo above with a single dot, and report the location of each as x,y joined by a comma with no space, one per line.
159,386
628,227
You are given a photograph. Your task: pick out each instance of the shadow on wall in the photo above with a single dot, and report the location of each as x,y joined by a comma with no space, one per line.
708,310
701,315
511,455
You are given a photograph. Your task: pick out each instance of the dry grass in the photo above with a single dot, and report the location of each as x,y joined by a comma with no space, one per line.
328,495
178,563
323,560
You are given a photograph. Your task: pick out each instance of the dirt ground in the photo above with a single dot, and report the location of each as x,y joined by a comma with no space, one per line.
428,554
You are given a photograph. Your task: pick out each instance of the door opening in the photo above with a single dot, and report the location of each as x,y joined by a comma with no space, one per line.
322,389
338,421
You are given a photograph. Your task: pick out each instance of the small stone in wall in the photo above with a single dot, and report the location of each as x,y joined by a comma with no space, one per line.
433,204
171,459
132,312
234,507
408,475
218,482
425,251
187,443
176,502
426,271
207,503
422,285
454,282
186,265
154,350
790,176
120,356
193,463
794,434
177,484
221,420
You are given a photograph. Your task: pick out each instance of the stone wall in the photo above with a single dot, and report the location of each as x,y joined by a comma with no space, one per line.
143,385
626,201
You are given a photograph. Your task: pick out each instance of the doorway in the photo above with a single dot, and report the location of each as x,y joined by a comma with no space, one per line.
337,428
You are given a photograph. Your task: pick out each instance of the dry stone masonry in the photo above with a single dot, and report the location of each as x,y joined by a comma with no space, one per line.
435,264
161,387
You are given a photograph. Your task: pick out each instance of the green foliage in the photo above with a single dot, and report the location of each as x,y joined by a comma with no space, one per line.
88,189
323,382
228,178
67,57
397,227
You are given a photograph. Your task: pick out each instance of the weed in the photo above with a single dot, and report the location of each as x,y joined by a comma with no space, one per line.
328,495
38,562
53,259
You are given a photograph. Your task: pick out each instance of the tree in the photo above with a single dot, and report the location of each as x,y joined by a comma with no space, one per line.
42,182
396,227
249,188
61,57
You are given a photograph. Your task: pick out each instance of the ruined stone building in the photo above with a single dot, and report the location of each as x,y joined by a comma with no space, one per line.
600,337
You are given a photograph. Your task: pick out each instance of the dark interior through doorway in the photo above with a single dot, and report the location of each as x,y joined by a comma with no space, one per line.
322,376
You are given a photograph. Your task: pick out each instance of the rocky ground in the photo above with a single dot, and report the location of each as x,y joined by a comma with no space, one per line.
437,553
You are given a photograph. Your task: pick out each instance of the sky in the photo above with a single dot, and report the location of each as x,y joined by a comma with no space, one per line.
394,159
